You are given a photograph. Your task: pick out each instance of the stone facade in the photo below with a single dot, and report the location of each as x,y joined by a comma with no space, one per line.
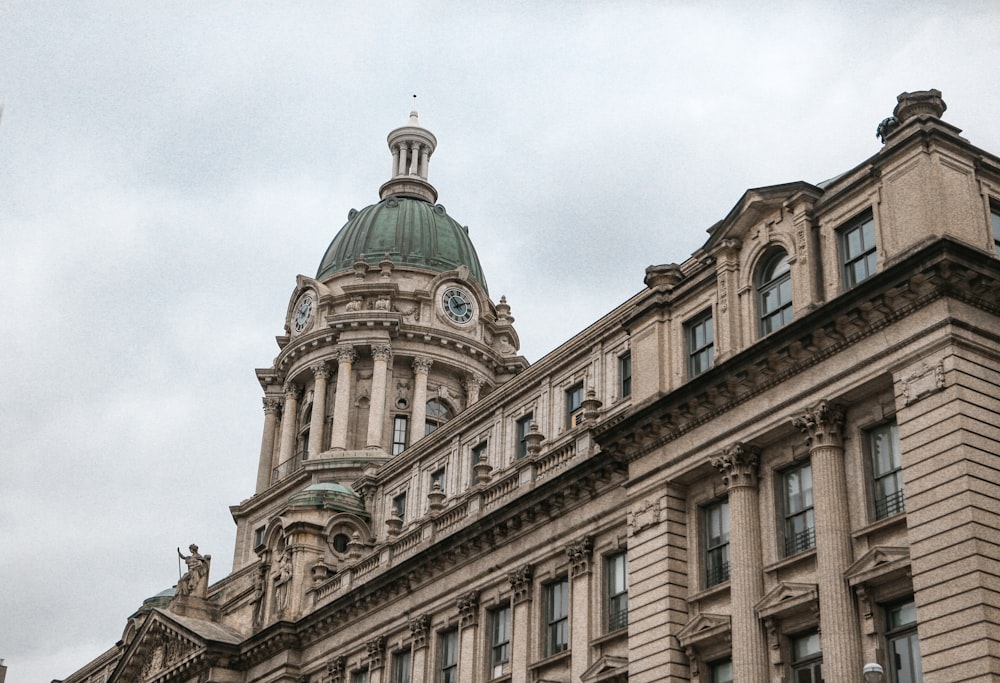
779,457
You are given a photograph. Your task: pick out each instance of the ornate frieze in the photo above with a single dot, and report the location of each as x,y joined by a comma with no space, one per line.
468,609
738,465
580,553
822,424
520,582
419,630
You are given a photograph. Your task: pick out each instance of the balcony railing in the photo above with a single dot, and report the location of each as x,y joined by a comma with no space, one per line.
288,467
800,542
716,572
890,505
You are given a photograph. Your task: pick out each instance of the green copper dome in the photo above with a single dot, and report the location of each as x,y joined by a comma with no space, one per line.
330,495
412,231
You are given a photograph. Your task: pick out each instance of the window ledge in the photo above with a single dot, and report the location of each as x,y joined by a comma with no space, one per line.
609,636
710,592
888,522
791,561
551,659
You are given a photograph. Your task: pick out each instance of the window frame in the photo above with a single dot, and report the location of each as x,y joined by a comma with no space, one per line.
439,476
402,674
400,433
715,572
359,676
433,420
625,374
500,643
448,656
891,503
864,225
399,504
906,631
556,617
715,671
616,591
522,426
796,542
697,349
574,405
808,662
774,284
995,224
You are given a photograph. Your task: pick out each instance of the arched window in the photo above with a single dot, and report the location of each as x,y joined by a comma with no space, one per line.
438,412
774,292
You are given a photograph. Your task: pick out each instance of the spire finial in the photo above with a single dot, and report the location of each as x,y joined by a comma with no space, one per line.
414,121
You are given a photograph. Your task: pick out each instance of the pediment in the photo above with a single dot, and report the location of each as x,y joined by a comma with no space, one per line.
753,206
786,598
705,627
167,645
606,668
879,565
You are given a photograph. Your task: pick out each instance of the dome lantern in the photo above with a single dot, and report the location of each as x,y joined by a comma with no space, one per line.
412,146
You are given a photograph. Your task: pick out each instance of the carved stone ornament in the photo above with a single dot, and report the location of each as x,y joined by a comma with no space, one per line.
422,365
738,465
376,652
382,352
419,629
346,354
922,382
335,667
520,582
293,392
580,553
644,515
320,370
272,405
468,608
163,650
823,425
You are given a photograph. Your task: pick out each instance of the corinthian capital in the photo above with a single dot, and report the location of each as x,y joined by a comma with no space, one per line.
293,392
822,424
579,553
738,465
320,370
346,354
272,405
520,581
382,352
422,365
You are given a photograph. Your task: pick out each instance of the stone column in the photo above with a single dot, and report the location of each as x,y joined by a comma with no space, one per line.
419,630
293,393
346,356
401,154
840,635
266,464
425,157
468,622
738,465
521,636
418,411
473,384
381,353
376,659
320,374
580,553
414,157
395,161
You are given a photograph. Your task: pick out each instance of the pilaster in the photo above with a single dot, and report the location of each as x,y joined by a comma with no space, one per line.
468,634
580,553
419,632
521,583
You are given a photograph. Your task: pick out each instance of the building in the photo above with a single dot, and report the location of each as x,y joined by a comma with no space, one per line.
777,462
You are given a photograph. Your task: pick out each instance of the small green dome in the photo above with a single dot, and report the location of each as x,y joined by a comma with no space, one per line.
329,495
413,232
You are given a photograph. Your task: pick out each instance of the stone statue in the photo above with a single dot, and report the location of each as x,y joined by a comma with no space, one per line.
195,580
281,579
258,597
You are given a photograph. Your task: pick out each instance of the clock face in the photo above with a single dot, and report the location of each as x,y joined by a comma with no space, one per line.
457,305
303,313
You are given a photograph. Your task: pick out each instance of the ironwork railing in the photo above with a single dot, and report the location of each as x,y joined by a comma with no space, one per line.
290,466
890,505
617,617
802,541
716,572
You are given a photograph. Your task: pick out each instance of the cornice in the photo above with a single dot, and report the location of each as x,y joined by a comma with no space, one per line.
945,268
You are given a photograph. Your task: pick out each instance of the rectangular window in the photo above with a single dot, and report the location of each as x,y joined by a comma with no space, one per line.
523,427
716,518
556,617
400,430
800,525
625,374
995,220
617,572
887,470
437,479
399,505
499,640
574,406
477,453
359,676
807,659
721,671
700,344
401,667
857,248
258,536
449,657
904,647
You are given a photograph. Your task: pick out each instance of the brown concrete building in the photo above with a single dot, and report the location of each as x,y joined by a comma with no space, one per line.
777,462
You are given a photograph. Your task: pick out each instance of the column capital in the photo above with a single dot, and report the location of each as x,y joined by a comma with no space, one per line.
320,369
421,365
376,652
473,382
520,581
823,425
346,354
419,629
382,352
468,609
579,553
272,405
738,465
292,391
335,667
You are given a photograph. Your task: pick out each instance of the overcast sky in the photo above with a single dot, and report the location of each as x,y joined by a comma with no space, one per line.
168,168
